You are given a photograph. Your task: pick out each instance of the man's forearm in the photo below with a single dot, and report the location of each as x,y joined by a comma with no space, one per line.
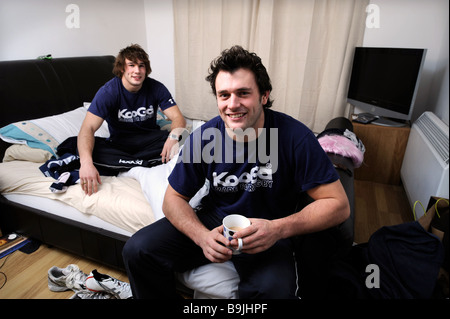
85,144
325,212
178,126
317,216
182,216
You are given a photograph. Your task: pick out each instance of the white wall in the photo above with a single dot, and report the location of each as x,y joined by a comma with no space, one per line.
30,28
160,41
438,98
418,24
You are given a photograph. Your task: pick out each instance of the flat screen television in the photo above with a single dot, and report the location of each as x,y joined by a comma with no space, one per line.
384,83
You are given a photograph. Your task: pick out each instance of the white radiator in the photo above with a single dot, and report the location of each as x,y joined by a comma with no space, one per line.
424,169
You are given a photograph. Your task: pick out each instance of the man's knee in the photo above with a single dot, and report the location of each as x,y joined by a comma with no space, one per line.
131,250
276,288
138,246
271,274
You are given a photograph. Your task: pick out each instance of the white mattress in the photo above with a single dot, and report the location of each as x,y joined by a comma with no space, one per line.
119,201
63,210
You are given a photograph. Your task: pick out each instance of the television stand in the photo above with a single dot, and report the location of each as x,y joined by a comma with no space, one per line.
385,149
366,118
383,121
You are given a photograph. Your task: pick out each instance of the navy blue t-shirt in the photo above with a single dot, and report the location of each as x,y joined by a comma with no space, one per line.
260,179
130,113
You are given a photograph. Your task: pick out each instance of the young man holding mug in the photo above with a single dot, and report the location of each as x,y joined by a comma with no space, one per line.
244,179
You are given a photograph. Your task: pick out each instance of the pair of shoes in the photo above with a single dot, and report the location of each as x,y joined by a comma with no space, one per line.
94,286
69,278
101,283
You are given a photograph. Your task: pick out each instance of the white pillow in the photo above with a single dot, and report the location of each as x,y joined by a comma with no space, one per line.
22,152
48,132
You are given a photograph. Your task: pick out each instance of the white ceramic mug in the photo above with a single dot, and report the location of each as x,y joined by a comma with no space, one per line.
232,224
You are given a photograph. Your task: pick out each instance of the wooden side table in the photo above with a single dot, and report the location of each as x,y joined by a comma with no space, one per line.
385,148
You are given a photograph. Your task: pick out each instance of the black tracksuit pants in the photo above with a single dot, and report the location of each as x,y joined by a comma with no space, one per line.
111,156
155,252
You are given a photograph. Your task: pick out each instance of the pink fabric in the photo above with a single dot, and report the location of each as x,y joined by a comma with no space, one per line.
339,144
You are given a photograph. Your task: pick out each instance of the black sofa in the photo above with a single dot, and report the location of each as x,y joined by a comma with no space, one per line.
36,88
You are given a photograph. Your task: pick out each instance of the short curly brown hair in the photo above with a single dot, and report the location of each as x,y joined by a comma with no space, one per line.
133,53
236,58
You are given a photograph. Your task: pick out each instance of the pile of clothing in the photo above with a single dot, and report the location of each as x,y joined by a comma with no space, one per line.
93,286
110,158
343,142
405,261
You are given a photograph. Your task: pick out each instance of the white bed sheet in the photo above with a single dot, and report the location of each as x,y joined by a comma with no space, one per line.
119,201
63,210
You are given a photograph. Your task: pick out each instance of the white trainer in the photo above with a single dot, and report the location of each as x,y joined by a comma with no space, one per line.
86,294
98,282
69,278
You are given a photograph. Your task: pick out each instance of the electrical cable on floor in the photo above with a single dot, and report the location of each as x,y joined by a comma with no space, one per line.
2,273
29,247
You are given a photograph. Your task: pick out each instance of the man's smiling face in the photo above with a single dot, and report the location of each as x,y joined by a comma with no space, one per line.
238,99
133,75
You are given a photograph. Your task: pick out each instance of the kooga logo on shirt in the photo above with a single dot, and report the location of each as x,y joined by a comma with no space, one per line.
139,115
259,176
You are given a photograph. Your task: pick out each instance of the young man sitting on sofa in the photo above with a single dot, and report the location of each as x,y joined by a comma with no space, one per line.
266,191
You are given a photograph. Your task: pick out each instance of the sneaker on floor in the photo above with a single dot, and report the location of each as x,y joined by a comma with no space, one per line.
69,278
86,294
98,282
